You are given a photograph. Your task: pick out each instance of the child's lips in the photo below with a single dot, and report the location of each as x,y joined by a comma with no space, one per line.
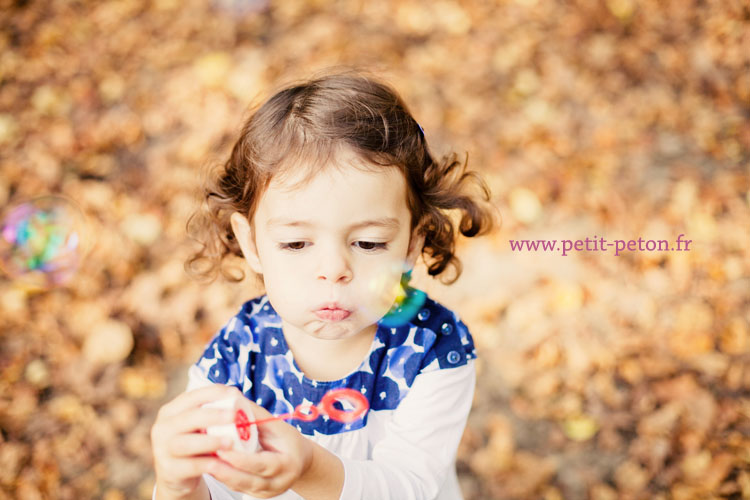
332,312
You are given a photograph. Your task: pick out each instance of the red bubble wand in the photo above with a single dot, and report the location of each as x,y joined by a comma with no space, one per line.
305,413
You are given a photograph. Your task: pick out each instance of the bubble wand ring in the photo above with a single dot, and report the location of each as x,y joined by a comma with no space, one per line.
299,413
358,400
309,413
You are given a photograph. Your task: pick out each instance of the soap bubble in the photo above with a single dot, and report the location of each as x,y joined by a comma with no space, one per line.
41,241
408,301
404,300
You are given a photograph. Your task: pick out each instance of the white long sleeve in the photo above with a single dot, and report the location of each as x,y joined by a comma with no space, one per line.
415,458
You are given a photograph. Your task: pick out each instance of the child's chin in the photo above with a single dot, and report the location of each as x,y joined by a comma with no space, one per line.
332,332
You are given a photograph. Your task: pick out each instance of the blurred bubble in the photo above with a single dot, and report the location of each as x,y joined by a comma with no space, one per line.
408,301
404,300
42,241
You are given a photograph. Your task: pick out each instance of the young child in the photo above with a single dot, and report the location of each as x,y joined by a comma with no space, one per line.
330,194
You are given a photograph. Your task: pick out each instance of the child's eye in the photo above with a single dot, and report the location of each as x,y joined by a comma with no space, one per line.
371,245
292,245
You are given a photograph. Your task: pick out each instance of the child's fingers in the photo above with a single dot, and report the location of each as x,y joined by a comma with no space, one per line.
197,419
181,469
240,480
259,412
197,397
190,445
263,463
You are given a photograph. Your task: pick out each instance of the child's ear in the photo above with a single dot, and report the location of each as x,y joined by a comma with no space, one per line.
416,242
246,239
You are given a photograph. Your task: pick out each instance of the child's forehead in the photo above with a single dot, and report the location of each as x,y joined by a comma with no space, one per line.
343,182
336,194
302,173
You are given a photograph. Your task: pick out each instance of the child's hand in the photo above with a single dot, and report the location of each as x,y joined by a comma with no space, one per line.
285,456
182,451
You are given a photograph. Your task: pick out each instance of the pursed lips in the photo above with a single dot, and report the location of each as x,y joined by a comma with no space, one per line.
332,311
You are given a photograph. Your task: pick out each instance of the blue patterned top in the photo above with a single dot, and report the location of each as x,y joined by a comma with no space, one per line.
250,352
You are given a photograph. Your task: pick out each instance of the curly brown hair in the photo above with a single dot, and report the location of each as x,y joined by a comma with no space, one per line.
306,124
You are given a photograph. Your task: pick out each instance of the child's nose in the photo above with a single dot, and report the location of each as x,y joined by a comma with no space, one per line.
335,268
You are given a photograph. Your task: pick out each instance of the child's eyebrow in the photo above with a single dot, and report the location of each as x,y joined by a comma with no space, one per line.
386,222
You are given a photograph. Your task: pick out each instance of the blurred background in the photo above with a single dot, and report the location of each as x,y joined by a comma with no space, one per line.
601,377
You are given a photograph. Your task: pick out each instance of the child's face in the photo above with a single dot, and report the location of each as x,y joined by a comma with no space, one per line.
332,251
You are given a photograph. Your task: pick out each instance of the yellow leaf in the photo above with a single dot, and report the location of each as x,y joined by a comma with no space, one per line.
580,428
